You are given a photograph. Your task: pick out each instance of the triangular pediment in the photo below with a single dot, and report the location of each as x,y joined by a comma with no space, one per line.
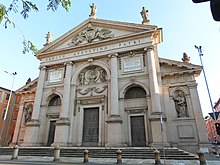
172,67
30,87
96,31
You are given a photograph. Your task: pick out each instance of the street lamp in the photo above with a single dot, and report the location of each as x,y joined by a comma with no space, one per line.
13,75
9,100
210,99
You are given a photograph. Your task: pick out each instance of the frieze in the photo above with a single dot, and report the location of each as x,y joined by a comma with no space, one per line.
96,50
176,79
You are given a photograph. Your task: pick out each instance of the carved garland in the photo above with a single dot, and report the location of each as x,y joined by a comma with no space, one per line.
97,90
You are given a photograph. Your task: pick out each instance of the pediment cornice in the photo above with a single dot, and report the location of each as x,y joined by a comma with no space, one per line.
93,32
185,67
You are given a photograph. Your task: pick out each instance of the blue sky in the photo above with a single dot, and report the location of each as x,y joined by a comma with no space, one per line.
184,25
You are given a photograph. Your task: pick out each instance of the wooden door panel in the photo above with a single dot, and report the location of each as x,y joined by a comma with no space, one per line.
91,127
138,137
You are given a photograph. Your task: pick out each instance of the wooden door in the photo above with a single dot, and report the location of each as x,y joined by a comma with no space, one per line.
91,127
138,137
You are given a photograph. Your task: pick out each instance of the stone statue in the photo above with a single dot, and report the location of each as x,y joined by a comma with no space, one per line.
28,81
102,75
93,11
185,58
82,78
180,103
48,37
27,114
144,15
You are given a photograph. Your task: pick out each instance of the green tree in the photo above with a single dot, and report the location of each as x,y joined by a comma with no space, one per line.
24,7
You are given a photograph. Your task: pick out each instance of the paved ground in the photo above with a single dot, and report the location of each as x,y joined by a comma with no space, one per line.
211,160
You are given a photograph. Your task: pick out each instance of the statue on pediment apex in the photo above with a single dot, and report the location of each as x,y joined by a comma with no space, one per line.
48,37
93,11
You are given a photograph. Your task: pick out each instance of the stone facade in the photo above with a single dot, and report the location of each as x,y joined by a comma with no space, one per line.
103,84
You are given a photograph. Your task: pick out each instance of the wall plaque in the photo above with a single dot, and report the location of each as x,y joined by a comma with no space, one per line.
55,76
132,64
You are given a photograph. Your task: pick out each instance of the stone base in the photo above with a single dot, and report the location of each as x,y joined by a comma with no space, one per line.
115,145
60,145
31,145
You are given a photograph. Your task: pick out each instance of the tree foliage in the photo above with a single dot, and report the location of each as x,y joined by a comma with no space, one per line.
26,7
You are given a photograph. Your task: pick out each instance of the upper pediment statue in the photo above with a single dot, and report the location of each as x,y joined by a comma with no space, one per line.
91,34
93,11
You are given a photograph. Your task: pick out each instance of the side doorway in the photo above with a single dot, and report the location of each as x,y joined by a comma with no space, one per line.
51,134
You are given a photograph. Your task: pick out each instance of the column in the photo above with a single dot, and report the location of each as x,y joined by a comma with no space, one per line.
62,125
32,127
114,133
156,117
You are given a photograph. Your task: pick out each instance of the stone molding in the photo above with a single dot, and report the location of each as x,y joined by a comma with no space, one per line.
63,121
114,119
155,116
33,123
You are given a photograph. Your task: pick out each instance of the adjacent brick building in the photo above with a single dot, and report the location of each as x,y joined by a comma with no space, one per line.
7,126
209,124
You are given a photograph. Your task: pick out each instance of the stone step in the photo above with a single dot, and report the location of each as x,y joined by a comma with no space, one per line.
140,153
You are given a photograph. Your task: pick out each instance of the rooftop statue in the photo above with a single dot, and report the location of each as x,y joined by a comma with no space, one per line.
48,37
144,15
93,11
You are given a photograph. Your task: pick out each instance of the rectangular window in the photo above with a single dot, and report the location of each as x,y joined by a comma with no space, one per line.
7,96
3,113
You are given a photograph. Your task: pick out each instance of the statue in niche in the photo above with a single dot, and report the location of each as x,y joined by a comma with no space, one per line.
27,114
180,103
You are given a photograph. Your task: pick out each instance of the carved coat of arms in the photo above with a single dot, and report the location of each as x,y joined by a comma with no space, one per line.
91,34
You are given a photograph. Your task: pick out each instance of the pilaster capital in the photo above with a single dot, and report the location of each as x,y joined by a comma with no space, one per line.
115,55
192,86
42,67
68,63
149,48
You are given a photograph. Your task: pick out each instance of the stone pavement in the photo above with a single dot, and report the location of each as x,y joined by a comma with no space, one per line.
108,161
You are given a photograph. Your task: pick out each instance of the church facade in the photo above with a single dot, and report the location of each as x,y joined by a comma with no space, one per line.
103,84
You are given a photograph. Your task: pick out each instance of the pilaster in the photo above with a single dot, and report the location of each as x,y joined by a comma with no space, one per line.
15,139
114,137
156,117
32,127
63,123
202,134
